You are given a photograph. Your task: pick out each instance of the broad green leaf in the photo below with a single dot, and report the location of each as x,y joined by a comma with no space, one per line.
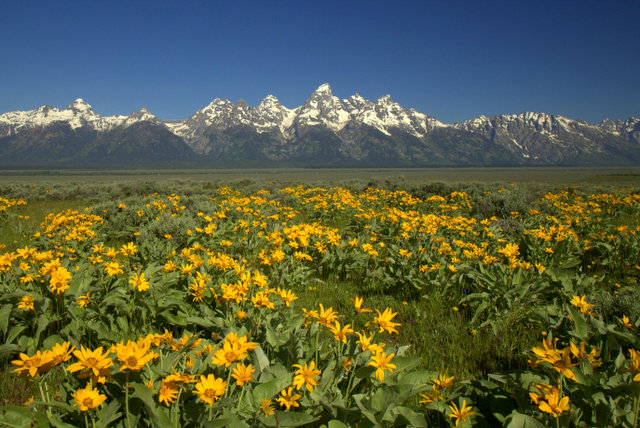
501,406
158,418
277,339
14,332
43,323
5,314
50,341
581,329
260,359
519,420
9,349
108,414
383,400
56,404
334,423
19,417
620,360
409,417
221,422
202,322
269,389
289,419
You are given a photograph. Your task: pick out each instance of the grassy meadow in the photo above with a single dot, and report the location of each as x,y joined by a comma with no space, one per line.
412,297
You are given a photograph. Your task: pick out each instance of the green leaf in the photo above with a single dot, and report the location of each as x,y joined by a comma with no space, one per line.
56,421
519,420
19,417
14,332
404,363
620,360
124,326
364,372
260,359
383,400
50,341
108,414
76,285
501,406
158,418
5,314
268,389
56,404
289,419
570,262
276,339
581,329
409,417
9,349
222,422
581,377
202,322
43,323
334,423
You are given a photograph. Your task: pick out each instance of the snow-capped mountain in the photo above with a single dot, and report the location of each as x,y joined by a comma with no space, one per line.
324,130
77,115
551,139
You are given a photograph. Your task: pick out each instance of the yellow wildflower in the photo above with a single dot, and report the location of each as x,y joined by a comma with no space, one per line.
210,388
243,374
381,361
461,414
383,320
88,398
289,398
306,375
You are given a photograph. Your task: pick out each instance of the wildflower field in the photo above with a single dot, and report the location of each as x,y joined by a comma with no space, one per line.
233,305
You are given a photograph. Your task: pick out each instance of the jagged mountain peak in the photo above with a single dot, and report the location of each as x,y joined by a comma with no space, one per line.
325,88
356,97
219,102
327,129
140,115
269,100
45,108
242,104
80,105
385,99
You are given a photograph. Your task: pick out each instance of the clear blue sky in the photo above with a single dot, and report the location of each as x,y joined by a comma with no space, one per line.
452,60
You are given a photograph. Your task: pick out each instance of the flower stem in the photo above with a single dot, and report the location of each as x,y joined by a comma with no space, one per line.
126,400
44,397
240,400
227,387
635,417
317,340
176,409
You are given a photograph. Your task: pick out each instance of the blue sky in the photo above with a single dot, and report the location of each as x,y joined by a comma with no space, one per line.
454,60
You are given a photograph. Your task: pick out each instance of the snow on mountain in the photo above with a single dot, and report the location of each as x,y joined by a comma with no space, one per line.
353,129
323,107
270,115
77,114
621,127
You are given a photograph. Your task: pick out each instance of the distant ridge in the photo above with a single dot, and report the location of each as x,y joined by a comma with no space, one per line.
323,131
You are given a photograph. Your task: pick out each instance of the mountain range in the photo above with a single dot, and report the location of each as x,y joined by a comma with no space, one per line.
324,131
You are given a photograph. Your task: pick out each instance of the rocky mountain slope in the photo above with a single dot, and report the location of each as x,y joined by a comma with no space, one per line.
324,131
